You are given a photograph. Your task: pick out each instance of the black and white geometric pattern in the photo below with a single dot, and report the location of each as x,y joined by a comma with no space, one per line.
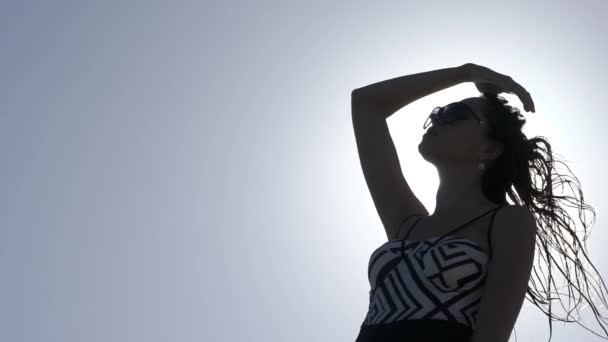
442,281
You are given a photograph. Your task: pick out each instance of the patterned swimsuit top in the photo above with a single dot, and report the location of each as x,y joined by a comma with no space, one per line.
439,278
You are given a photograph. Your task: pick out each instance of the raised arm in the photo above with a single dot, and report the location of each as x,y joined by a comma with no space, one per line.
371,105
393,94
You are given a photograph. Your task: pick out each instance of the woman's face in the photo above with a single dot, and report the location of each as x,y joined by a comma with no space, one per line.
459,141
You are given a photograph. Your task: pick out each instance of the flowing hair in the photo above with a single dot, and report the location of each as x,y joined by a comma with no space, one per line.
514,173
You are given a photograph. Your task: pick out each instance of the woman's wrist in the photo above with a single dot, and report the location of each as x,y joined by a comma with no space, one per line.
465,72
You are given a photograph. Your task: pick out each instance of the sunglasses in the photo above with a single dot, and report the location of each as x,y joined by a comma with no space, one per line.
450,113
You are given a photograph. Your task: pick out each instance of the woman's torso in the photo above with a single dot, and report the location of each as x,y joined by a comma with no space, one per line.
427,284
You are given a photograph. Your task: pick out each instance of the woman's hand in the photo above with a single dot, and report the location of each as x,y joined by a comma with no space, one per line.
489,81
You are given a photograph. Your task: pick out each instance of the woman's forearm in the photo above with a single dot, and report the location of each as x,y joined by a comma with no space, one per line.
391,95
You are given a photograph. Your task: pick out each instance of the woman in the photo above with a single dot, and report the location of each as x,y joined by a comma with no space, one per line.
463,273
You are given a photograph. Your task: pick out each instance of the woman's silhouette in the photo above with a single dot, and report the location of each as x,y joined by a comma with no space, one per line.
463,273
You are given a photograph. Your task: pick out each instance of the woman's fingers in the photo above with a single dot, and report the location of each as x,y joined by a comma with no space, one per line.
524,96
526,99
528,103
488,80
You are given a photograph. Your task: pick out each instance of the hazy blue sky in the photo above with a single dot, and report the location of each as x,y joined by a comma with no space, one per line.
187,171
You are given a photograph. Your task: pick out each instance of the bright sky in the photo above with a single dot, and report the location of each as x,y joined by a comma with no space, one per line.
187,171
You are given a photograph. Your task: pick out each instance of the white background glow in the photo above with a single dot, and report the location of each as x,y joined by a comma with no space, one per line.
187,171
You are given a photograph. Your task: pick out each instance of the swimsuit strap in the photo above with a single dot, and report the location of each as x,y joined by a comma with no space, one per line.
489,232
450,232
466,224
412,228
409,231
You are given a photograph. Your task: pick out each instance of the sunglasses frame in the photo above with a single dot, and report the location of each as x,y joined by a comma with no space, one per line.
437,113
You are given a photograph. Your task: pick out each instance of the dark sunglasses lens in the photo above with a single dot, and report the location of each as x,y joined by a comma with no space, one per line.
454,112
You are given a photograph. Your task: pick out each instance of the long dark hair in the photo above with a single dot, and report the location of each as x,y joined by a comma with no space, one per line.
512,174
